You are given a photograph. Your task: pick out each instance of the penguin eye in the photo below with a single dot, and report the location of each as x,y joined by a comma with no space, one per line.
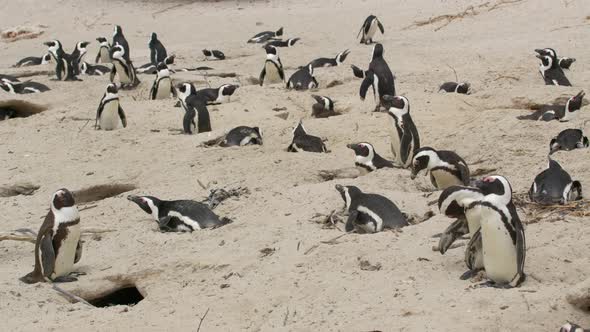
489,179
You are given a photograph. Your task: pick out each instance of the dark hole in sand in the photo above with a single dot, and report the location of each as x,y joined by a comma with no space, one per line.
128,295
13,108
100,192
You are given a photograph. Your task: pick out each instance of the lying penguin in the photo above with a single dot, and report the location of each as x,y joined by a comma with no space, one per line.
369,213
33,61
215,96
567,140
554,186
264,36
571,327
367,158
93,70
213,55
464,87
330,62
179,216
549,68
446,168
304,142
23,87
303,79
557,111
243,135
323,108
282,43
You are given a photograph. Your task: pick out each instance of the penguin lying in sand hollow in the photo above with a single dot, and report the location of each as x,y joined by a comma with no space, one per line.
554,185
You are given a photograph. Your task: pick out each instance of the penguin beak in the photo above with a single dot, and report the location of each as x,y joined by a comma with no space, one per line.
413,174
339,188
134,199
538,50
539,56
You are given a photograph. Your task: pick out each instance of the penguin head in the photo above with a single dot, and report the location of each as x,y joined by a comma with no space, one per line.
46,59
271,52
554,146
84,67
364,152
81,46
153,37
310,69
299,130
398,102
101,40
348,193
163,70
292,41
117,52
425,158
112,88
185,89
585,142
497,187
149,204
117,30
571,327
62,198
546,61
575,192
548,52
575,103
6,86
377,51
341,57
259,132
53,46
228,89
463,88
207,52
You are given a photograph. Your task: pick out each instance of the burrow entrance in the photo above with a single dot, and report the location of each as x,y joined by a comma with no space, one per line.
100,192
126,295
14,108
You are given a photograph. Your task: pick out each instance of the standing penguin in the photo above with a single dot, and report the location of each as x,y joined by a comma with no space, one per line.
369,213
369,28
405,140
379,75
162,87
446,168
58,246
104,51
243,135
194,107
272,72
264,36
157,50
367,158
567,140
119,39
302,79
77,55
213,55
109,111
33,61
305,142
64,67
123,68
550,69
330,62
554,186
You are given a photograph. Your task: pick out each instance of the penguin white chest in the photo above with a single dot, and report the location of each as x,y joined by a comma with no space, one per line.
272,73
444,178
104,55
123,77
64,260
372,29
109,118
499,252
164,88
395,140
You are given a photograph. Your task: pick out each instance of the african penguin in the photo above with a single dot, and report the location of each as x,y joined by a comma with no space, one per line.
566,62
213,55
367,158
194,107
379,75
23,87
555,111
463,87
109,111
369,213
323,108
157,50
302,79
550,69
567,140
243,135
283,43
265,36
119,39
34,61
6,113
305,142
220,95
554,186
78,54
272,72
180,215
405,140
446,168
369,28
9,79
93,70
123,68
162,87
64,67
330,62
104,51
58,246
571,327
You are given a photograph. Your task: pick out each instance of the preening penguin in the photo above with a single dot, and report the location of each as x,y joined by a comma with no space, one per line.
34,61
213,55
162,87
369,28
567,140
109,111
550,69
78,54
305,142
180,215
23,87
264,36
283,43
554,186
215,96
194,107
123,68
272,72
379,75
330,62
446,168
323,108
302,79
104,51
455,87
64,67
367,158
93,70
405,140
369,213
243,135
58,246
119,39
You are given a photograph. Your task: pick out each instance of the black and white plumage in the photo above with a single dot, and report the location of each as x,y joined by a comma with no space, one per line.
110,112
119,39
220,95
369,213
78,54
302,141
557,111
549,68
7,113
23,87
369,29
367,158
123,68
264,36
195,107
93,70
282,43
567,140
243,135
162,87
104,51
330,62
9,78
323,108
34,61
303,79
455,87
554,185
405,140
571,327
446,168
378,76
64,64
158,52
179,215
213,55
565,62
272,72
152,69
58,246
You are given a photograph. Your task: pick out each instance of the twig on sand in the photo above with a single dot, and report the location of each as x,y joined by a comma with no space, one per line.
85,124
88,207
202,319
286,317
171,7
506,77
454,71
311,249
333,241
70,296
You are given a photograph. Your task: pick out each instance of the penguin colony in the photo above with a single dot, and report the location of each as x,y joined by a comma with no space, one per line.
481,208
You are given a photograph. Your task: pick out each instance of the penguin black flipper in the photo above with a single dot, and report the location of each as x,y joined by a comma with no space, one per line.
380,26
78,255
520,246
262,75
154,89
352,215
406,146
122,116
204,121
113,73
367,82
473,251
47,254
188,120
455,230
357,71
44,253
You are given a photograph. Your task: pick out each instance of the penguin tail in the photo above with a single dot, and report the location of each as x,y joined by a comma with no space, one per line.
279,32
226,221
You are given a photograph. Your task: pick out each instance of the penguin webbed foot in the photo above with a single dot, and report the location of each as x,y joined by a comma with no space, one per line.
67,278
469,274
491,284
